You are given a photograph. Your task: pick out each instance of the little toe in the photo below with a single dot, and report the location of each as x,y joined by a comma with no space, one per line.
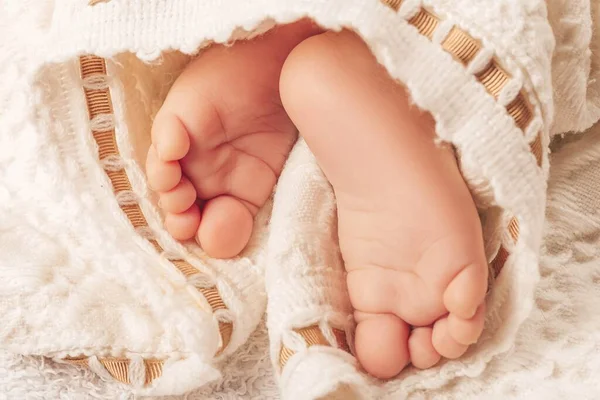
381,342
180,198
467,331
467,291
162,175
226,227
422,353
183,226
169,137
443,342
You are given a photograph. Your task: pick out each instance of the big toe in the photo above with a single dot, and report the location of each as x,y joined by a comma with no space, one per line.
226,227
381,343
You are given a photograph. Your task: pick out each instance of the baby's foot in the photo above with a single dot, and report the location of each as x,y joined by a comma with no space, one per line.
408,228
220,140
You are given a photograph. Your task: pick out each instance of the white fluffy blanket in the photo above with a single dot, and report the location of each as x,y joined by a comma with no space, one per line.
90,277
556,354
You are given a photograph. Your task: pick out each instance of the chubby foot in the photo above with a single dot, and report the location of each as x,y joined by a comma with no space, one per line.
408,228
221,138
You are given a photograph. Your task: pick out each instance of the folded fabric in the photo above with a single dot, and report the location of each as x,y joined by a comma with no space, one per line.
552,356
91,277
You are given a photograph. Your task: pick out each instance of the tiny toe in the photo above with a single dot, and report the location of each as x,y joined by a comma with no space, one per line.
183,226
162,175
443,343
169,137
467,291
467,331
422,353
180,198
381,343
226,227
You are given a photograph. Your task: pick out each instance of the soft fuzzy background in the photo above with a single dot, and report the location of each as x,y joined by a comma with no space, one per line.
556,356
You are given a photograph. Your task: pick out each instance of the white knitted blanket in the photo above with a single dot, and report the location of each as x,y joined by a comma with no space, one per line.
556,353
92,280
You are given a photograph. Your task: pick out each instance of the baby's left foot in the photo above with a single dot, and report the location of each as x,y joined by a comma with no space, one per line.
409,232
220,140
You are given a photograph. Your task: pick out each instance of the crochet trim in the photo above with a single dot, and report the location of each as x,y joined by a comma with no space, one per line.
119,369
464,49
100,111
314,336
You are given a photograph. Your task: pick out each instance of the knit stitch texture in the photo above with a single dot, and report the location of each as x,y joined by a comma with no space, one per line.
86,283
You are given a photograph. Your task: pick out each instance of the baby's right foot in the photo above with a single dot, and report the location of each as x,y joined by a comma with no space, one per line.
408,228
221,138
